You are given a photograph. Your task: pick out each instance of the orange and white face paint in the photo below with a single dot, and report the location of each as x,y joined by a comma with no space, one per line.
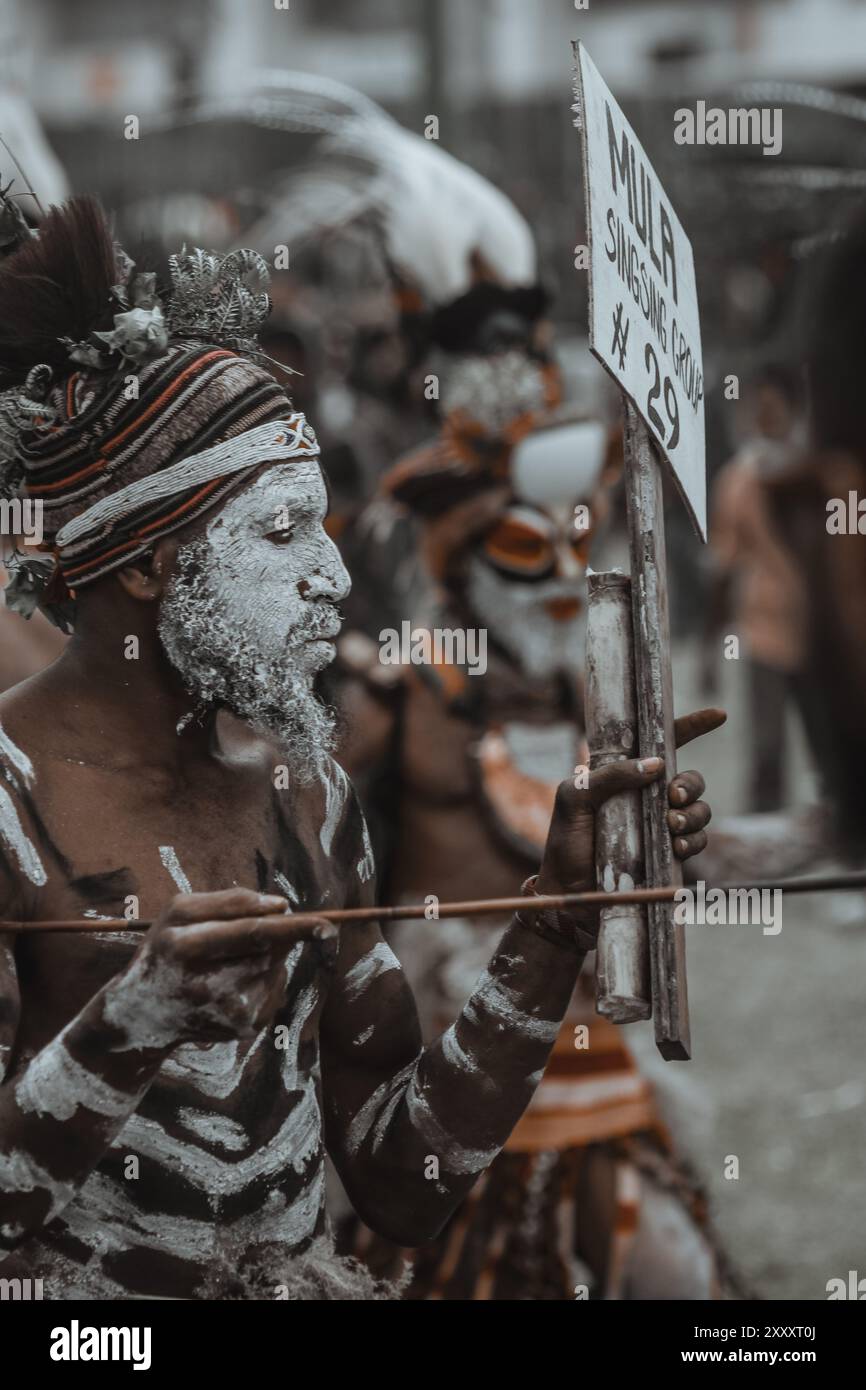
527,577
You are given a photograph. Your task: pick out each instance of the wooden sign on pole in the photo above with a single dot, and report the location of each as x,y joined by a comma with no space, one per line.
644,327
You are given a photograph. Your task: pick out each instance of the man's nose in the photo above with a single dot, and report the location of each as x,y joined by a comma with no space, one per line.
329,579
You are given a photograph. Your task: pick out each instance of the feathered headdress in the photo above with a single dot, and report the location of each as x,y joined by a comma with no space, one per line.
438,217
106,381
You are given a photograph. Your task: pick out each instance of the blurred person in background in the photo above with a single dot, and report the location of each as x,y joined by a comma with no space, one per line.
822,508
757,591
813,509
457,768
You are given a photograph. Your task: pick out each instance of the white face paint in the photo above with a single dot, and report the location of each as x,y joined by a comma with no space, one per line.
518,617
552,471
249,617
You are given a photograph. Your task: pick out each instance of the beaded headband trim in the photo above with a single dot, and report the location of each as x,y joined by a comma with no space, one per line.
277,440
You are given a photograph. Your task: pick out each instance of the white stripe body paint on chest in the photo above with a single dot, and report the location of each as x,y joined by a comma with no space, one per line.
367,863
295,1143
301,1011
216,1070
286,888
336,787
106,1218
171,864
220,1130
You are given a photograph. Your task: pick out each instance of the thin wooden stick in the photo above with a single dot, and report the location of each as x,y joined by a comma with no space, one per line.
471,907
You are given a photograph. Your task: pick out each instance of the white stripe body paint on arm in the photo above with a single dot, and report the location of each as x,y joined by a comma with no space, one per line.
375,962
500,1004
363,1122
455,1053
55,1084
20,1173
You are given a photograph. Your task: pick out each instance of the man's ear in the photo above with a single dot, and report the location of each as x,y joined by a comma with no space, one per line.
146,577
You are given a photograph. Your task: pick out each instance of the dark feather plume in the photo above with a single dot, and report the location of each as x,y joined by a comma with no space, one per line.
56,285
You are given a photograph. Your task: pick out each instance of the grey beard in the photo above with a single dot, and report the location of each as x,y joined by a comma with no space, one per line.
224,663
514,614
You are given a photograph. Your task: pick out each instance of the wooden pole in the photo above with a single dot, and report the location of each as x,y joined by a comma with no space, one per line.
645,509
622,970
474,907
403,912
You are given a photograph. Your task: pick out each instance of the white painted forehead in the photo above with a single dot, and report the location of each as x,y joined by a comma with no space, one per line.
560,464
297,482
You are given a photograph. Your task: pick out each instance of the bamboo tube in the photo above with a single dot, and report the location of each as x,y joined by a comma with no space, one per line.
622,971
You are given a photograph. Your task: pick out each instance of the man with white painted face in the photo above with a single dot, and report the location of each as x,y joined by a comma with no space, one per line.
168,1097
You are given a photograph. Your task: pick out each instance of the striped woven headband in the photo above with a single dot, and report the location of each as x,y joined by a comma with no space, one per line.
277,440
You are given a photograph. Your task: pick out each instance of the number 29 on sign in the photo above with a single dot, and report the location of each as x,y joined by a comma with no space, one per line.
658,389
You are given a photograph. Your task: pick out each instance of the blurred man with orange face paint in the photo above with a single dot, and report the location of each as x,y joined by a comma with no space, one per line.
457,745
458,769
526,579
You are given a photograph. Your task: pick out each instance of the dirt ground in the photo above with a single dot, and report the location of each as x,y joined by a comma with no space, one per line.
779,1041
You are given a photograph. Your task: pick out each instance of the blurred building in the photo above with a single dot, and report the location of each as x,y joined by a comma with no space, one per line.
497,74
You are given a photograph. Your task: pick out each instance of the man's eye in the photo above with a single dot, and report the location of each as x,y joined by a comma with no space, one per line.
281,536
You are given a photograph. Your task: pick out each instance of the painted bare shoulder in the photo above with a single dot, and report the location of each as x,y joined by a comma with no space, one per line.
324,856
343,834
19,855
